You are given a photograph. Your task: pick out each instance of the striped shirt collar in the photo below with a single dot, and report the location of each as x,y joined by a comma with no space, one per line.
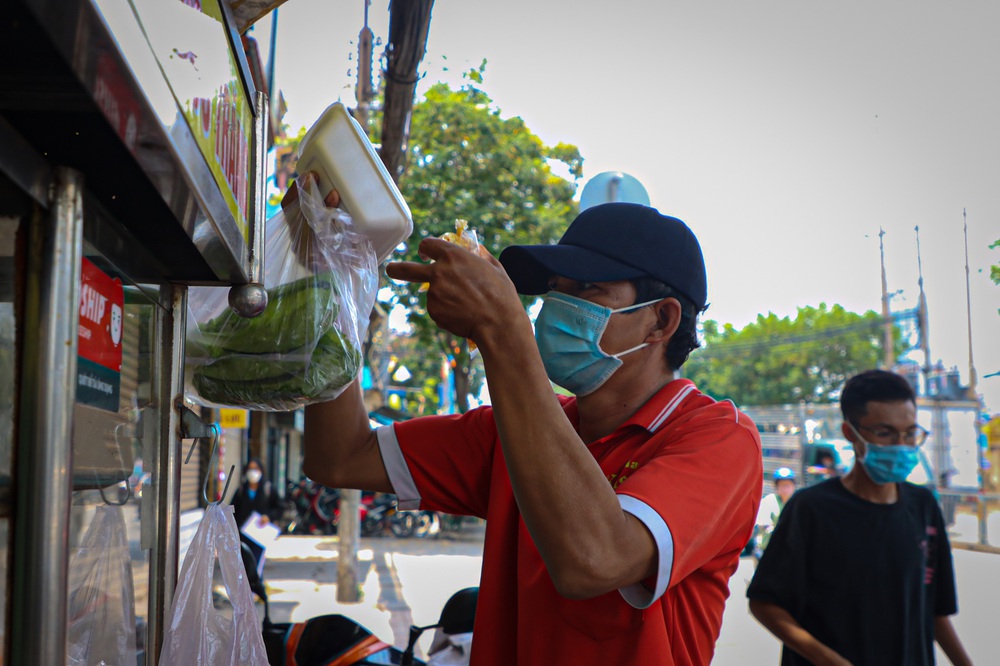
657,411
664,404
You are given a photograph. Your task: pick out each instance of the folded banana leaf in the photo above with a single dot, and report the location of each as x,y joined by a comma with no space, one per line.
280,382
290,355
297,314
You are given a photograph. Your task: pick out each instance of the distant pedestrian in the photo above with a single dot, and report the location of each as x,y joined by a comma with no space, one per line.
771,507
859,569
255,495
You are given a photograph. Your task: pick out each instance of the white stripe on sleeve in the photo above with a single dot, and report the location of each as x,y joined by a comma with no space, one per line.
403,486
637,595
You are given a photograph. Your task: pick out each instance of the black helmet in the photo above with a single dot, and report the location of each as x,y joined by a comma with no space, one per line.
459,613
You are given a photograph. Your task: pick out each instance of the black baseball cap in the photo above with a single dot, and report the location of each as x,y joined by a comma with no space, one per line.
614,241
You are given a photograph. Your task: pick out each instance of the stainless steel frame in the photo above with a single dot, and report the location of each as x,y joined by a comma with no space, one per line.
165,149
23,165
48,390
164,564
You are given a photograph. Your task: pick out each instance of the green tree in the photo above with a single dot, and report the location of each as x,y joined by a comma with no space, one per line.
467,161
779,360
995,268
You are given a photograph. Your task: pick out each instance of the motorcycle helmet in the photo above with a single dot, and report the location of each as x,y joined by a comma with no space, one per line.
459,613
784,473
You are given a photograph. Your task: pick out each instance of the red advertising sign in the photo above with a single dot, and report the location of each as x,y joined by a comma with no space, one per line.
102,304
99,342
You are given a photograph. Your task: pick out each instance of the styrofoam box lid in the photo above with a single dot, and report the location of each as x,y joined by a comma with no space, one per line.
336,148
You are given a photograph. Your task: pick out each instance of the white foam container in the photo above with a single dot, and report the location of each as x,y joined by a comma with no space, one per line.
336,148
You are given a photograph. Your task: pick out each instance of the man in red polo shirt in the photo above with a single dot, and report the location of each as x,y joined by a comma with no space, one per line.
614,519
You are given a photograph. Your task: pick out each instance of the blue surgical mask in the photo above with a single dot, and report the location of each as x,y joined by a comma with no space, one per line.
568,331
888,463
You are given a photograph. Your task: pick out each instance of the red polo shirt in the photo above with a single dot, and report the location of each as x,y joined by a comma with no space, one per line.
685,465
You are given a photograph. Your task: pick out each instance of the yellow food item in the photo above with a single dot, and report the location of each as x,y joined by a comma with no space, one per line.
462,236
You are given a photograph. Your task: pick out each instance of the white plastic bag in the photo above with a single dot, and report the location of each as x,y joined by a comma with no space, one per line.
197,633
321,277
101,595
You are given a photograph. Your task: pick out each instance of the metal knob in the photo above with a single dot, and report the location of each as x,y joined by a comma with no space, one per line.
248,300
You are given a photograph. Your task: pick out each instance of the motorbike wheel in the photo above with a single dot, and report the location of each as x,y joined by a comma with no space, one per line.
402,524
426,524
372,525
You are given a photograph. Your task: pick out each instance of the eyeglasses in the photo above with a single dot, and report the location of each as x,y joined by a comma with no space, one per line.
915,436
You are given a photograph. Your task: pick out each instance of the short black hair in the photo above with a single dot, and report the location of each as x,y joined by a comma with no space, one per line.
873,386
685,338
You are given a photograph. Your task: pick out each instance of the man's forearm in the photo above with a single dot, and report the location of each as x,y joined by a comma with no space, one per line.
786,629
568,506
947,638
340,448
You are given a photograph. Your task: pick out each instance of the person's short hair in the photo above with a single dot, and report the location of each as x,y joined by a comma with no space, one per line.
873,386
685,338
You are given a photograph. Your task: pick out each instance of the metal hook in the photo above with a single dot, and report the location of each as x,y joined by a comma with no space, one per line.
128,487
216,435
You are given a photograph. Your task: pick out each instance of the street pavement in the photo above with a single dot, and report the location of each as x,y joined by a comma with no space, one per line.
408,581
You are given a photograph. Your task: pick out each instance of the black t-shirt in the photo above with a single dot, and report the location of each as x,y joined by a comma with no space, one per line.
865,579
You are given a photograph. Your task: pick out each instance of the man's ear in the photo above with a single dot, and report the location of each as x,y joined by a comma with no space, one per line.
668,320
851,437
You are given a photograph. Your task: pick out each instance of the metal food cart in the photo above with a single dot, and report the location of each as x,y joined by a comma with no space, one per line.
132,145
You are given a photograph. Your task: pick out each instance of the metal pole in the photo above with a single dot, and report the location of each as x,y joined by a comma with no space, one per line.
349,533
349,528
48,383
164,564
886,321
968,309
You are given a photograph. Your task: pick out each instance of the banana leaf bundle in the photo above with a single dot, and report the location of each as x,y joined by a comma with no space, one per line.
289,356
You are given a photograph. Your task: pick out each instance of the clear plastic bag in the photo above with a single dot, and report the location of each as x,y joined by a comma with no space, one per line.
101,595
321,277
197,633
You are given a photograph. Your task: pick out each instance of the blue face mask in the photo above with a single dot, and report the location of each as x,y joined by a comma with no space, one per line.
568,331
888,463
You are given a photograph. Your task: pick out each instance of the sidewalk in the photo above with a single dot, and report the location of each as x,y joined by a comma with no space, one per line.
398,586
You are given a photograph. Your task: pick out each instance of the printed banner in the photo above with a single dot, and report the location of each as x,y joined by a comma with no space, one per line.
191,44
99,341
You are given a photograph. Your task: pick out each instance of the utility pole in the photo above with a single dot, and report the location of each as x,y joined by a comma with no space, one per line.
968,309
886,320
349,529
925,344
938,423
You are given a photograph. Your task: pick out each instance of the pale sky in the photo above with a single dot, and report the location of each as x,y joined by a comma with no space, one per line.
785,133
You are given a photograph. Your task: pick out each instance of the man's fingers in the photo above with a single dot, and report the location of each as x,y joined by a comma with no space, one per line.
291,195
488,256
408,271
332,199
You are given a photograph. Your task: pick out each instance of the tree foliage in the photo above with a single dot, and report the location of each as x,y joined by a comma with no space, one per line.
779,360
467,161
995,268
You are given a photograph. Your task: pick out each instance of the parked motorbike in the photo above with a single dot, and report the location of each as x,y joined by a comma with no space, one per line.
316,508
382,516
336,640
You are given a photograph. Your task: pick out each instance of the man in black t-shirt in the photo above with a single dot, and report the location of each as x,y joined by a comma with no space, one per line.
859,568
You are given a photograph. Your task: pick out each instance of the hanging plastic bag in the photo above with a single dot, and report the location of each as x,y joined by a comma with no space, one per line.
198,634
321,277
101,595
